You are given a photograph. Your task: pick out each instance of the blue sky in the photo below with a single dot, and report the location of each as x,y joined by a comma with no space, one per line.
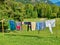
54,1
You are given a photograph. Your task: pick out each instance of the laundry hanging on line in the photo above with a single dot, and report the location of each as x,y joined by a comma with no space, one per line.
33,26
29,26
12,25
18,25
52,22
50,28
40,25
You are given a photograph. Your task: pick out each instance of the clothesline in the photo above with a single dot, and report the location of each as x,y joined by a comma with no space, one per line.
33,25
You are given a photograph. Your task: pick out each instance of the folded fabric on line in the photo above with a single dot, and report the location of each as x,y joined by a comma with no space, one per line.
40,25
33,25
29,26
18,25
12,25
37,25
52,22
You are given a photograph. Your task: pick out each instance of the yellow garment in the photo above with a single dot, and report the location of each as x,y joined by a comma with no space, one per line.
33,25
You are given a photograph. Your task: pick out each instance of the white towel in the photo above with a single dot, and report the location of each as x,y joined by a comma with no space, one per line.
33,25
52,22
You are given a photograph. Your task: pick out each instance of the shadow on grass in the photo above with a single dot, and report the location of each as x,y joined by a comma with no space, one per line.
32,36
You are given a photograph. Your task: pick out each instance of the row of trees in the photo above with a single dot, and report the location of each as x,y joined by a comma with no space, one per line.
19,11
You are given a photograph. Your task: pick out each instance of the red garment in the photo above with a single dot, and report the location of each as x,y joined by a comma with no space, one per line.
18,27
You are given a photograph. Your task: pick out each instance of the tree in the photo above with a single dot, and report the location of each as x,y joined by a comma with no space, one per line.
14,9
55,10
29,9
58,14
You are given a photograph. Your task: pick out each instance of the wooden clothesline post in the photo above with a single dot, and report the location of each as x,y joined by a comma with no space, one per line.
3,27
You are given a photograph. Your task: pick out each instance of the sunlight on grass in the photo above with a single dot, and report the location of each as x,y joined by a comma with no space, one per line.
32,37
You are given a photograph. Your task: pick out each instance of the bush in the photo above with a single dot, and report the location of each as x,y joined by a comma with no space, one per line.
53,15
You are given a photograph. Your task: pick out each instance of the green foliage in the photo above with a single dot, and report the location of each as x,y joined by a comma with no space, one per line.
10,9
34,14
58,14
53,15
29,10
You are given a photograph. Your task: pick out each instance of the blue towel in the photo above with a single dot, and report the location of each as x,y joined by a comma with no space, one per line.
12,25
40,25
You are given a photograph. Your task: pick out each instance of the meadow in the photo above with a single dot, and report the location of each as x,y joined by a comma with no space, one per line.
44,37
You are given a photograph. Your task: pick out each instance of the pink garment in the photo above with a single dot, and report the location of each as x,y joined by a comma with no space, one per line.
18,27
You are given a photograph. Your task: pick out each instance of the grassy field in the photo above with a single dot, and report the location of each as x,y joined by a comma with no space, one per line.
32,37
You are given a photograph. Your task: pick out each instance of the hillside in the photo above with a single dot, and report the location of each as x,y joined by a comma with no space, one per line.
39,1
35,1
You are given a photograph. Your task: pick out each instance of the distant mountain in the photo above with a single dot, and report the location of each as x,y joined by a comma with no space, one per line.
58,3
54,1
35,1
44,1
49,2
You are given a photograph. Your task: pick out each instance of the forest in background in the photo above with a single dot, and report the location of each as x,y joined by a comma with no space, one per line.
19,11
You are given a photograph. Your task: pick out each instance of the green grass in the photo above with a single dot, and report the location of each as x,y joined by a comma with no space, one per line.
32,37
35,19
